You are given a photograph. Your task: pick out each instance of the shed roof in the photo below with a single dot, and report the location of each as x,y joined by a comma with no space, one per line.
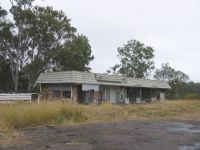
100,79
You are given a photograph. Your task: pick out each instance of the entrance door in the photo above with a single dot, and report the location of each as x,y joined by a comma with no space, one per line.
113,95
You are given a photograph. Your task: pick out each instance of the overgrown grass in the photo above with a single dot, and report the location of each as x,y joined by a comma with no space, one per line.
15,116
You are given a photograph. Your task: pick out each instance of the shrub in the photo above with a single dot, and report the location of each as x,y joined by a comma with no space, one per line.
191,96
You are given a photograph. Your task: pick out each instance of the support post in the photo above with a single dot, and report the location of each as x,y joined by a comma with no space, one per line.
38,100
96,97
74,93
141,94
61,95
40,88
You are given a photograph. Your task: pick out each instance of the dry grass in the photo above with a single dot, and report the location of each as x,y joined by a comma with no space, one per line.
165,109
15,116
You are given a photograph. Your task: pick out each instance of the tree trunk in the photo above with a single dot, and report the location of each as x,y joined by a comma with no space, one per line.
16,84
14,72
17,67
29,83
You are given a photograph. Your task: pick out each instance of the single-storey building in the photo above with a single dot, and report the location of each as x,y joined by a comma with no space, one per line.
86,87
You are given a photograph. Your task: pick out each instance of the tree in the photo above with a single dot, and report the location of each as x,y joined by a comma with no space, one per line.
76,55
50,31
41,39
15,38
135,59
3,23
176,79
5,74
169,74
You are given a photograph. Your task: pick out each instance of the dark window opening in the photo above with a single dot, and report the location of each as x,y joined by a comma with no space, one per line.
66,94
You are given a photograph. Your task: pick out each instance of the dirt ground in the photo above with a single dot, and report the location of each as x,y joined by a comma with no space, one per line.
117,135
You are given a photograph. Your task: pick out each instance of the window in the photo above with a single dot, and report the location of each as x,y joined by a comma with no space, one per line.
56,94
66,94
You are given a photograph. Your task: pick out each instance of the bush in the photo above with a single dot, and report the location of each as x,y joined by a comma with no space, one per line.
191,96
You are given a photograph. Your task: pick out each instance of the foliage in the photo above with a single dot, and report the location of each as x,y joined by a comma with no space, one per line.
166,73
40,39
169,74
135,60
5,75
191,96
189,88
178,81
175,78
72,56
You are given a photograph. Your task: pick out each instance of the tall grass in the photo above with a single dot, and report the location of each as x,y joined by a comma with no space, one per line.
25,115
14,116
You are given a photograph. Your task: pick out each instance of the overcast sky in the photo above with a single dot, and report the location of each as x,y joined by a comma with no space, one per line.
171,27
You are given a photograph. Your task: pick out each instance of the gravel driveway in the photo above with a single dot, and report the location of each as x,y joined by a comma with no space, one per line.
117,135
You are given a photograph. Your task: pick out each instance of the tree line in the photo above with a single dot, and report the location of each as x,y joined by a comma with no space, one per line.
38,39
136,60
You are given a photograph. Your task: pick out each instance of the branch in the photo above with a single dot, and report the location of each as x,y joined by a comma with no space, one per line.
12,2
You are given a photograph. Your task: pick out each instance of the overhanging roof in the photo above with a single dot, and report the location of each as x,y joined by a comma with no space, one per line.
100,79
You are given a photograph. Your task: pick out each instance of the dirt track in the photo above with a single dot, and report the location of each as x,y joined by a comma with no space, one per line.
119,135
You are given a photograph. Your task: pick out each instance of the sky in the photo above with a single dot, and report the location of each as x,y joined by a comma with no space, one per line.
171,27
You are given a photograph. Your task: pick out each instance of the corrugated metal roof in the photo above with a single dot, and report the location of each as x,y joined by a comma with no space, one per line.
100,79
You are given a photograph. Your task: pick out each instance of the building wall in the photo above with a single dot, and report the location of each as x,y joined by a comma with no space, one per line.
113,94
138,95
59,87
88,93
162,95
55,91
88,87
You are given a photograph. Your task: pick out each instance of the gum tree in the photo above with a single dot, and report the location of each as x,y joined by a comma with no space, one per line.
136,60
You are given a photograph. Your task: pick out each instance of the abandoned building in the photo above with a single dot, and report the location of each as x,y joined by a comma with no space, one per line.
85,87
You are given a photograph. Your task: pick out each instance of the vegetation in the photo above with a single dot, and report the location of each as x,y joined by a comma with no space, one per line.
135,60
169,74
176,80
35,39
38,39
14,116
